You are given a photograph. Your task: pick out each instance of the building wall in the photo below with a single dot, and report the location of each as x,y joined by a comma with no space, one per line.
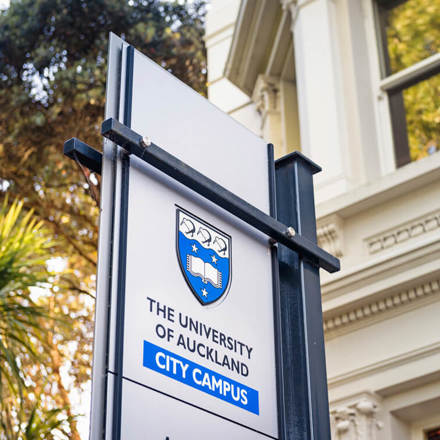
306,75
225,95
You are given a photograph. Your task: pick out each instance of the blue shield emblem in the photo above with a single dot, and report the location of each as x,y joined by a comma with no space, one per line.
204,254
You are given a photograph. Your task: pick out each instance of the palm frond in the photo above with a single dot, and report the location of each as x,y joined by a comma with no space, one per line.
24,245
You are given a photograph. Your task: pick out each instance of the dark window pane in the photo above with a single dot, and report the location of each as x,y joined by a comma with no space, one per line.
434,434
422,109
412,31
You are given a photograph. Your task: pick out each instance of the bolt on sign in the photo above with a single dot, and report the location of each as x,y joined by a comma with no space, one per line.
194,335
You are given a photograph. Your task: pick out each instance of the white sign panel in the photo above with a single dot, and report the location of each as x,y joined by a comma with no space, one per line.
197,327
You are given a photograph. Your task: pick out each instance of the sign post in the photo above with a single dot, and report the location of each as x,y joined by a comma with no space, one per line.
208,315
303,356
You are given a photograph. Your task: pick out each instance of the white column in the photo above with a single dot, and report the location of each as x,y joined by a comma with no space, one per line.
320,94
289,117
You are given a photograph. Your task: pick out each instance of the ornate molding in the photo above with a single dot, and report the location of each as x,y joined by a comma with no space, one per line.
402,233
292,7
266,94
356,421
330,235
357,314
288,4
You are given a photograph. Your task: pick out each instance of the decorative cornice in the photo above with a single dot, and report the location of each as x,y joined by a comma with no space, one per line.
402,233
377,307
361,283
330,235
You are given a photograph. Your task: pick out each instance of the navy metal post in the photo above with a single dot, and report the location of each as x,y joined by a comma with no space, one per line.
304,378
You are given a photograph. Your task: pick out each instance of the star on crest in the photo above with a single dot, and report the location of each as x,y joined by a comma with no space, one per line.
204,292
195,248
214,260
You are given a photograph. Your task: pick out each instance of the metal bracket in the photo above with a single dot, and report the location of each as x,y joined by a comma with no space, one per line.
84,153
149,152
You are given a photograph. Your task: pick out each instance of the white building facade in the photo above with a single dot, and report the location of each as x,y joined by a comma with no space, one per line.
333,79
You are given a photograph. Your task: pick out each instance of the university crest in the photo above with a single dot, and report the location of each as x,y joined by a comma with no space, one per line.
204,254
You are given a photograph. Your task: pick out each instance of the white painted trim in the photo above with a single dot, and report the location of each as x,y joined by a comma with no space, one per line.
402,232
386,364
219,36
354,398
380,309
410,72
381,105
248,54
402,181
352,284
329,181
236,109
215,80
279,36
419,429
232,56
303,3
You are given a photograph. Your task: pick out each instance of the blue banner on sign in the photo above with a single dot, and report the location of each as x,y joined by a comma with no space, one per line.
201,378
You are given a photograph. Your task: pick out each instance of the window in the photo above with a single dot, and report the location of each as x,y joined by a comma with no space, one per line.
410,51
434,434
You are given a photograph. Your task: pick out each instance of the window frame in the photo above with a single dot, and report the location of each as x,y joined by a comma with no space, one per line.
394,84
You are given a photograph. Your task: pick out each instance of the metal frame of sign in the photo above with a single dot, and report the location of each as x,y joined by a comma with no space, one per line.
299,341
305,398
105,269
122,263
154,155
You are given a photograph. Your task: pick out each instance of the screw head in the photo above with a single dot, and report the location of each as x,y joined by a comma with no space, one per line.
145,141
290,232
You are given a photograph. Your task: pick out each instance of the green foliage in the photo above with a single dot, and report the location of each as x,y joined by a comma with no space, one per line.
52,87
24,248
24,326
39,424
44,424
413,32
422,105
